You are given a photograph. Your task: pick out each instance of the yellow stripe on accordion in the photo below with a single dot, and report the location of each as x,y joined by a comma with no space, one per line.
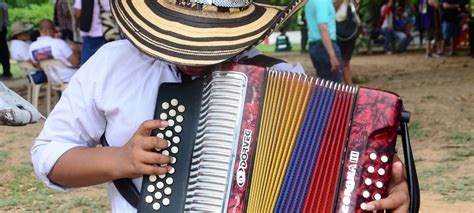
286,98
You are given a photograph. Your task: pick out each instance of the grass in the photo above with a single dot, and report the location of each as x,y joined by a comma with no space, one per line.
457,189
25,192
416,131
15,70
3,155
270,48
461,146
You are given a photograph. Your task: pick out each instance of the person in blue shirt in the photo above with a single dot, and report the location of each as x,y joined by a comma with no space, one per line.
323,49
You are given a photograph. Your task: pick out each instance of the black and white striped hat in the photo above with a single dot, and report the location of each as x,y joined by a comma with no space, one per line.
198,32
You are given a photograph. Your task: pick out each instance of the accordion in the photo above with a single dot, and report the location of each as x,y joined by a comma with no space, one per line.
249,139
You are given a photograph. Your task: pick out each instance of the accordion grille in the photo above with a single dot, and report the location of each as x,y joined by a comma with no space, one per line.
214,148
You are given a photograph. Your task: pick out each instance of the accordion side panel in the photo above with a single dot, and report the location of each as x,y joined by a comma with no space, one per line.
307,147
369,155
324,179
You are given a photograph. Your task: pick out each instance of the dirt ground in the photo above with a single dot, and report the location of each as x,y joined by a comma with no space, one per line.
438,92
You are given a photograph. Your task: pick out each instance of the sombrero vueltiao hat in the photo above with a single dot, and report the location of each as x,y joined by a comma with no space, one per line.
198,32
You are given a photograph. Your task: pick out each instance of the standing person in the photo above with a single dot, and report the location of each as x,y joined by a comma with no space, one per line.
114,93
63,19
470,9
431,24
323,48
4,53
386,18
19,50
347,46
87,14
450,23
303,30
47,47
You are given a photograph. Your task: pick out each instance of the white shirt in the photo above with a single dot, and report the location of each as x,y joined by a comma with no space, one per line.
19,50
114,97
47,47
96,25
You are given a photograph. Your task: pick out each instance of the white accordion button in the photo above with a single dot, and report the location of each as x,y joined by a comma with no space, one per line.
156,206
368,181
384,159
172,170
160,135
174,102
170,122
158,195
167,191
162,176
373,156
377,196
169,143
176,139
168,133
163,116
152,178
366,194
151,188
169,181
371,169
379,184
160,185
178,129
165,105
174,149
166,201
181,108
381,171
363,206
173,160
148,199
165,153
172,112
179,118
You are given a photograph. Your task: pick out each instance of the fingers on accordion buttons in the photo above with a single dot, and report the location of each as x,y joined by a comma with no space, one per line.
179,118
158,195
165,105
168,133
173,160
384,159
171,122
152,178
165,153
181,108
160,185
174,102
166,201
160,135
363,206
156,206
377,196
172,170
162,176
148,199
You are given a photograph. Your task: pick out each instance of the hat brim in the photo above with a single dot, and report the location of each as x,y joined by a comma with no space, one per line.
197,38
27,28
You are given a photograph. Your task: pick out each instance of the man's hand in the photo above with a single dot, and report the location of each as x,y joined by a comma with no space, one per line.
335,65
137,157
398,199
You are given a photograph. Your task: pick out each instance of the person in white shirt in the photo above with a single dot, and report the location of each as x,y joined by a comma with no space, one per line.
47,47
19,49
88,17
114,95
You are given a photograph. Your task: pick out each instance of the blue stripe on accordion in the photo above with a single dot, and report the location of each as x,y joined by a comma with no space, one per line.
304,155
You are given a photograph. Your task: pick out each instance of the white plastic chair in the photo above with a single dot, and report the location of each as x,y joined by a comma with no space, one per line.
56,84
33,88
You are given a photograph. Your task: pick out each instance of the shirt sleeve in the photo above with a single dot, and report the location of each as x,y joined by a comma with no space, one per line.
76,121
64,48
78,4
322,11
105,4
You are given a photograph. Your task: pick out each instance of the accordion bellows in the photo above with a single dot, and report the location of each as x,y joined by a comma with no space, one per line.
248,139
